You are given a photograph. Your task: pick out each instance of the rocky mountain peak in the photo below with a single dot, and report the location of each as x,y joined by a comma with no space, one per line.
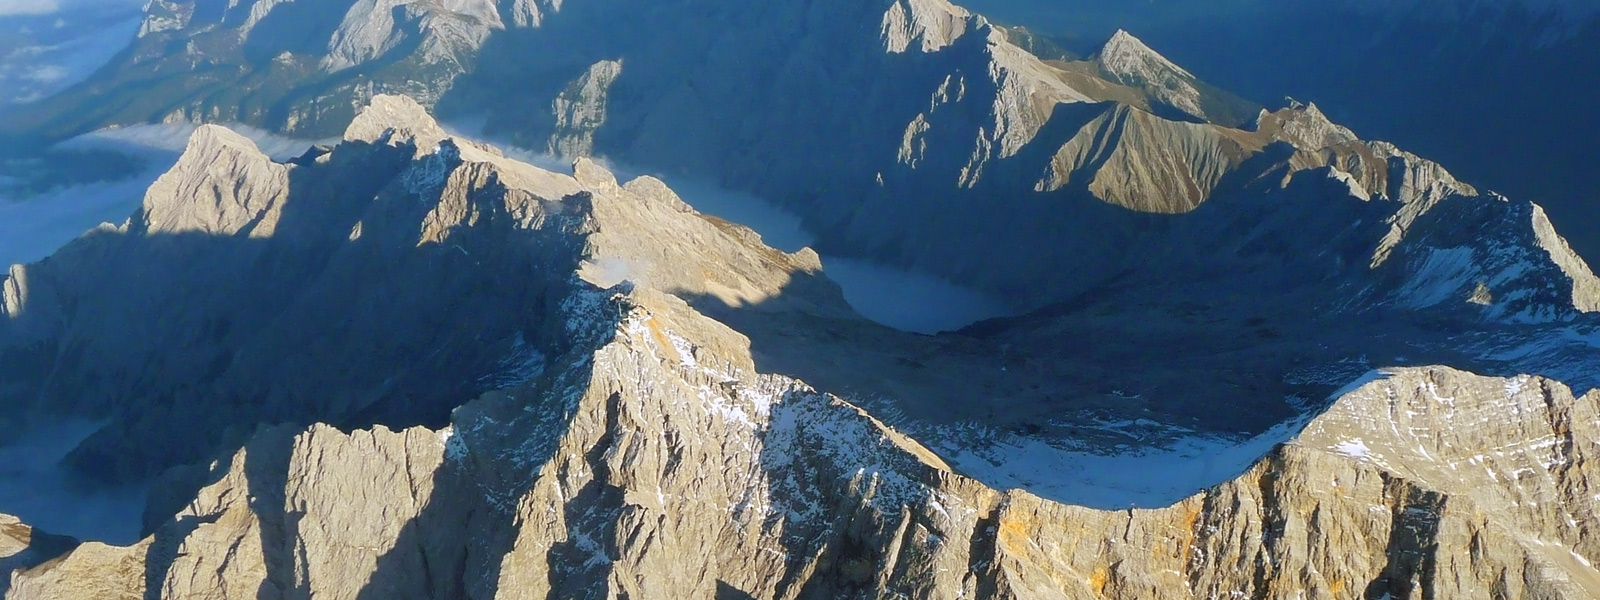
1126,56
209,140
204,191
369,29
543,384
1305,126
593,175
1127,60
396,120
928,24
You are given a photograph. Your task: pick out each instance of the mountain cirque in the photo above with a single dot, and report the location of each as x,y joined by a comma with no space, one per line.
627,445
409,366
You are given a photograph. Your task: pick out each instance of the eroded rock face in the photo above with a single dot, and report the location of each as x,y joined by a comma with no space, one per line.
23,547
1070,166
233,253
653,460
611,439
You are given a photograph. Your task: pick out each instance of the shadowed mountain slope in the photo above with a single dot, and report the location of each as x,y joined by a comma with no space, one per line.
600,434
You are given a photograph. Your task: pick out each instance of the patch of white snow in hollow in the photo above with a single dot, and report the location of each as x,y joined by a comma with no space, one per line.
1444,274
34,487
1141,479
1355,448
1359,382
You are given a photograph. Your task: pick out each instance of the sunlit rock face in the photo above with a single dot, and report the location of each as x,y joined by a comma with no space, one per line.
1063,164
1239,352
613,438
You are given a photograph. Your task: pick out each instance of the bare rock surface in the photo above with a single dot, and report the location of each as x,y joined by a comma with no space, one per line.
594,433
410,366
654,461
1071,162
23,547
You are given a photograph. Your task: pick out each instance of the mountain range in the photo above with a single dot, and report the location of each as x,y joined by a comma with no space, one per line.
1250,353
1488,87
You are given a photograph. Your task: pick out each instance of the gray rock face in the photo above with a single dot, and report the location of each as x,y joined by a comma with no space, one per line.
302,66
944,113
232,252
1128,61
610,439
409,366
22,547
654,461
581,109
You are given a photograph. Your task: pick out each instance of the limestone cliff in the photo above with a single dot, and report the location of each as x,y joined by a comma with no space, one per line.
654,461
874,121
544,408
250,271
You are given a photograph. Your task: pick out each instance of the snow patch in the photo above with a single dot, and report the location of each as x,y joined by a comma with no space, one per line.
1140,479
1355,448
1444,274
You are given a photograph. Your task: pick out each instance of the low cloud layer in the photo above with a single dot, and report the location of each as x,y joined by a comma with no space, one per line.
11,8
28,7
35,488
39,59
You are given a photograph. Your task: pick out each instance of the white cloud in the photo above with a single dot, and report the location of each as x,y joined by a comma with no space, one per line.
47,74
28,7
33,72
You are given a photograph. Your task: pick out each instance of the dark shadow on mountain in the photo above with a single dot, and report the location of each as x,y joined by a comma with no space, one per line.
689,101
592,515
301,28
728,592
1529,97
1231,320
1412,551
42,548
455,546
164,550
266,470
187,343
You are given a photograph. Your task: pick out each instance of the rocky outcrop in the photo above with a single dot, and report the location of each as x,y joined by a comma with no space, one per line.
298,67
1128,61
1144,163
514,372
581,109
945,114
232,254
23,547
188,200
655,460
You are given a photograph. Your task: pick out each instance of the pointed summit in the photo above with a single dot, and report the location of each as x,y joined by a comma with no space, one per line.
396,120
221,185
1128,58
